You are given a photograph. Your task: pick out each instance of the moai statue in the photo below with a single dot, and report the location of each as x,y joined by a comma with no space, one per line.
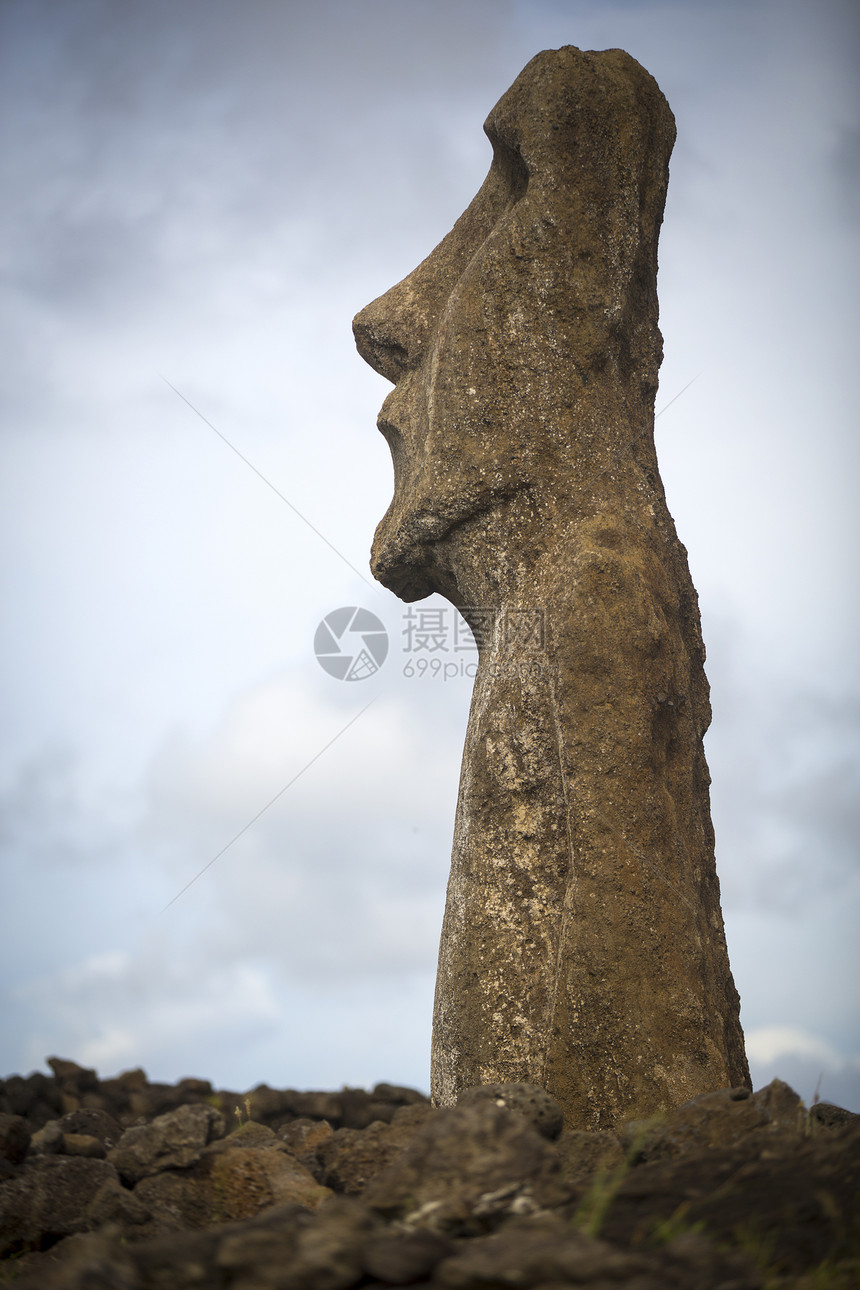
583,945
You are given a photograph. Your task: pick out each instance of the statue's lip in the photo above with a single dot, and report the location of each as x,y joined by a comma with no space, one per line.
403,544
402,555
387,427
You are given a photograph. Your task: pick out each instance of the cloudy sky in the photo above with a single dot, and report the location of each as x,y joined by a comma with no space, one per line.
197,198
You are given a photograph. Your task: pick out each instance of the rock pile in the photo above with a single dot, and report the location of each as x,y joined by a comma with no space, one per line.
126,1185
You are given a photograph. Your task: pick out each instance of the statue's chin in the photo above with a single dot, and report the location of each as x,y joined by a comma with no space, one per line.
415,545
401,567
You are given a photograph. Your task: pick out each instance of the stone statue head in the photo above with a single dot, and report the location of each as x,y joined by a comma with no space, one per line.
494,341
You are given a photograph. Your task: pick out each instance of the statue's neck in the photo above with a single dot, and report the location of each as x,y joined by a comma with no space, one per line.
582,865
525,553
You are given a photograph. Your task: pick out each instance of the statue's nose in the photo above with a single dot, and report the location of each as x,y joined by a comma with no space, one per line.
378,345
391,332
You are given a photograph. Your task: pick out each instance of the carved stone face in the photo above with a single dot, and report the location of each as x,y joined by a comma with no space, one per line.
448,336
490,341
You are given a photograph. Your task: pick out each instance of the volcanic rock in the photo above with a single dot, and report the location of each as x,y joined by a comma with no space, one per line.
729,1190
172,1141
528,1100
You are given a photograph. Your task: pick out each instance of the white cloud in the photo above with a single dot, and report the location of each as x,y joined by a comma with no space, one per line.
785,760
805,1061
343,876
115,1048
769,1044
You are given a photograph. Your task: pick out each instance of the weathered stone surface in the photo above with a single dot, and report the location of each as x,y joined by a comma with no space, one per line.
233,1178
544,1251
92,1123
465,1169
118,1207
105,1108
37,1098
789,1201
782,1106
48,1140
830,1116
403,1258
249,1134
584,1153
398,1095
288,1253
528,1100
719,1119
741,1198
83,1132
583,946
244,1181
83,1144
350,1158
304,1137
14,1139
329,1251
49,1199
72,1077
172,1141
176,1200
538,1251
252,1256
95,1261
